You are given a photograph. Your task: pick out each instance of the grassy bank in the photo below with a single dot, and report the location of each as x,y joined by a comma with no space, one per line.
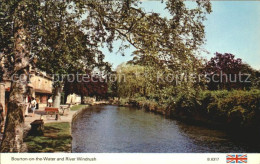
236,108
78,107
56,138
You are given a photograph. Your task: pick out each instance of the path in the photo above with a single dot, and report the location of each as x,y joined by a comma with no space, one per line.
47,118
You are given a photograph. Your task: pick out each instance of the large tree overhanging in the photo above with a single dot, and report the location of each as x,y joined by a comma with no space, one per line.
66,45
15,48
47,31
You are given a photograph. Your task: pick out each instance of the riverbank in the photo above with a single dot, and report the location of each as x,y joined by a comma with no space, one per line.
234,110
57,133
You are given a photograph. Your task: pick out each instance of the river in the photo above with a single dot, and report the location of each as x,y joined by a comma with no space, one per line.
113,129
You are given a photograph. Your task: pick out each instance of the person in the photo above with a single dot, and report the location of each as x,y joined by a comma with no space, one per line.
33,105
27,106
2,118
50,102
37,101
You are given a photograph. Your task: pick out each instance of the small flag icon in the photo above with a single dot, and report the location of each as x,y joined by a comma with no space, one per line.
237,158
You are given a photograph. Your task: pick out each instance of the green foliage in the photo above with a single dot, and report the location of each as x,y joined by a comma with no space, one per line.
123,101
56,138
164,46
234,107
248,100
224,71
64,37
112,88
143,103
130,80
65,47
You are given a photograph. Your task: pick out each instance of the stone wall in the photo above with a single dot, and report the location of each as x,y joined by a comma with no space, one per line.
41,83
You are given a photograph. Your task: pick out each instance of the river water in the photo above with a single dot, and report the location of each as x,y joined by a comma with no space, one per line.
113,129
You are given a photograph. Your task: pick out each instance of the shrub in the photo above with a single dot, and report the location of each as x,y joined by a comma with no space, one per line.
236,107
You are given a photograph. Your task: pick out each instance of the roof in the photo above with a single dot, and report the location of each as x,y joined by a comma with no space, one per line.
36,91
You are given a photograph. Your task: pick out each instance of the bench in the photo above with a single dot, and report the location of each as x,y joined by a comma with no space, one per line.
65,107
52,111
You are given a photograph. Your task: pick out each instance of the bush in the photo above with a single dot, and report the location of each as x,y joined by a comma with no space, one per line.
235,107
123,101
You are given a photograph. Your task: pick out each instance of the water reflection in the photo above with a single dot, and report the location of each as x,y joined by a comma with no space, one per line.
111,129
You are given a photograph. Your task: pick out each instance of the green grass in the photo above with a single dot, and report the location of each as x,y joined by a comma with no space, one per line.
56,138
78,107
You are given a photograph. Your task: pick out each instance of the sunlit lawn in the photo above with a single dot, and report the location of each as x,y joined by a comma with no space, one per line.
78,107
56,138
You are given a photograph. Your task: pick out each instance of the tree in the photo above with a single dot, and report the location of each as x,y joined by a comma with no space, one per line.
224,71
65,48
253,80
172,40
86,85
1,73
130,80
112,83
13,18
65,36
168,45
36,30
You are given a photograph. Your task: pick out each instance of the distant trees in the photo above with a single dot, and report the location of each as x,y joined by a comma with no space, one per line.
112,83
254,79
224,71
131,80
86,85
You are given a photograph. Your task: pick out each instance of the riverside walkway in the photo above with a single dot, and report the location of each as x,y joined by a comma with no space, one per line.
40,113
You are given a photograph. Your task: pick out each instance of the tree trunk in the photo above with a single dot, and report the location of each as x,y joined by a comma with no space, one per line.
65,97
82,99
57,97
13,133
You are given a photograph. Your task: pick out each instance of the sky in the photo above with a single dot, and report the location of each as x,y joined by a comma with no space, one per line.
232,27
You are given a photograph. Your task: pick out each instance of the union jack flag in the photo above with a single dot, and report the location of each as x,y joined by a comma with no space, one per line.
237,158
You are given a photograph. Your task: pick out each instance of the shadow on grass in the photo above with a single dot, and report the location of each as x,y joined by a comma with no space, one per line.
56,138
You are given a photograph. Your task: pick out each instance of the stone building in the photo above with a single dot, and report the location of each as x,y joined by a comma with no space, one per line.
73,99
41,88
76,99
